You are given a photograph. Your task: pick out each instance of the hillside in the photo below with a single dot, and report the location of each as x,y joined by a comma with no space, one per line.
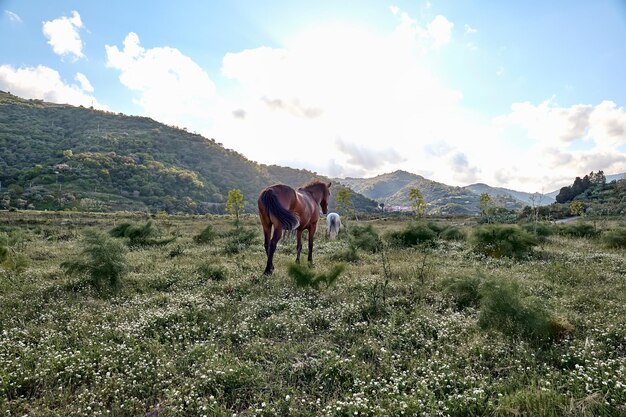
64,157
523,197
392,189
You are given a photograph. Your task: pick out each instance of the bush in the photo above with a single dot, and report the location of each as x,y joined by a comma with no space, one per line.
540,230
464,290
503,240
140,235
413,235
305,277
578,229
207,235
239,239
213,272
502,308
102,260
615,238
452,233
347,255
365,238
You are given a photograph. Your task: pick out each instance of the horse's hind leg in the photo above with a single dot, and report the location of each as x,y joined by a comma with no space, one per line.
312,230
267,230
269,268
298,245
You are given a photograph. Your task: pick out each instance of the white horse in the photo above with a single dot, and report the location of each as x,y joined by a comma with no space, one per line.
333,225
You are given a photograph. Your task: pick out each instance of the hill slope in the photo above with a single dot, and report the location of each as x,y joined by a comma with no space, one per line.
392,189
59,156
523,197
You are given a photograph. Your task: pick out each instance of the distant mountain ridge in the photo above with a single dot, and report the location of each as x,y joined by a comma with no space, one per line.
392,189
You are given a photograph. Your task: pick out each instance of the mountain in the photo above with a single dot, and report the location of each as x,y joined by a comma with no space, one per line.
64,157
392,189
615,177
525,198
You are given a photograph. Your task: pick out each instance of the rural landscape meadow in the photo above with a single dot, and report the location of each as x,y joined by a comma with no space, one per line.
313,209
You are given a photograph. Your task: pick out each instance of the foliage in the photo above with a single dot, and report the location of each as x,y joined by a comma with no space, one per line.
576,208
11,256
540,230
464,290
207,235
212,272
452,233
305,277
365,238
418,204
138,235
503,240
592,180
615,238
239,239
343,201
235,203
577,229
486,206
102,259
415,234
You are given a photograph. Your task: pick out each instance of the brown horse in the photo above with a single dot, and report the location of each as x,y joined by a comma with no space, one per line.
287,209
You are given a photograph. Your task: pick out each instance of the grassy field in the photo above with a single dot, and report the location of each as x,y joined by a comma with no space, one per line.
194,328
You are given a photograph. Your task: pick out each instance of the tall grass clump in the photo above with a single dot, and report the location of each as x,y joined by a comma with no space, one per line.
503,241
207,235
577,229
452,233
138,235
239,239
503,308
415,234
102,261
212,272
540,230
305,277
365,238
464,290
615,238
11,257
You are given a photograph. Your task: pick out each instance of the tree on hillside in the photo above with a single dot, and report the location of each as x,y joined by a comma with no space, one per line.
235,204
418,204
486,206
343,199
577,208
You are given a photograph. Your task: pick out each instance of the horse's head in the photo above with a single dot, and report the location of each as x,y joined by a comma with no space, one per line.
325,198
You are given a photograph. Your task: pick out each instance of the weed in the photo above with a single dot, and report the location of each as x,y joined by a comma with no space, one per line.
305,277
207,235
502,240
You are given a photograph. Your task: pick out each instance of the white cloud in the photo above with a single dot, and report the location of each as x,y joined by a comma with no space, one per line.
440,30
46,84
63,35
171,87
84,83
469,30
13,17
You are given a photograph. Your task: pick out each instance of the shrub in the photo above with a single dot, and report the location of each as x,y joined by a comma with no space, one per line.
347,255
578,229
365,238
102,260
452,233
213,272
503,308
615,238
305,277
464,290
503,240
239,239
540,230
413,235
207,235
140,235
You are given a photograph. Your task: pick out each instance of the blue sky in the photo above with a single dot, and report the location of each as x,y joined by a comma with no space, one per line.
524,95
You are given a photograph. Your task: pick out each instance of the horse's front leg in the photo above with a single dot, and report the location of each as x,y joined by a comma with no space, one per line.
312,229
298,245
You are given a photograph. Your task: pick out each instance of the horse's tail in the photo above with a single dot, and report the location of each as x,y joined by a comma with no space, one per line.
272,206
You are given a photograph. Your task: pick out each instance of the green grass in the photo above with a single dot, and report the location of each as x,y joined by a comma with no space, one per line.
205,333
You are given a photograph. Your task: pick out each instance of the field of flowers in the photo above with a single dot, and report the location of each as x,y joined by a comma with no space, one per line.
194,329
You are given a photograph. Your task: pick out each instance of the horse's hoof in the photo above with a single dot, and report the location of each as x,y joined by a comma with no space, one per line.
267,272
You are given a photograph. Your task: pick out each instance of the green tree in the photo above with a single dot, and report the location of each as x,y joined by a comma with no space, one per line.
576,208
418,204
235,203
68,153
486,205
343,199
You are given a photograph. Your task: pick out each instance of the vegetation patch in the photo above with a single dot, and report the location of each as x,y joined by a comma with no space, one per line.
503,241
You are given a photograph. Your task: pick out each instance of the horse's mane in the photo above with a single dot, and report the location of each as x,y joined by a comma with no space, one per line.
313,184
